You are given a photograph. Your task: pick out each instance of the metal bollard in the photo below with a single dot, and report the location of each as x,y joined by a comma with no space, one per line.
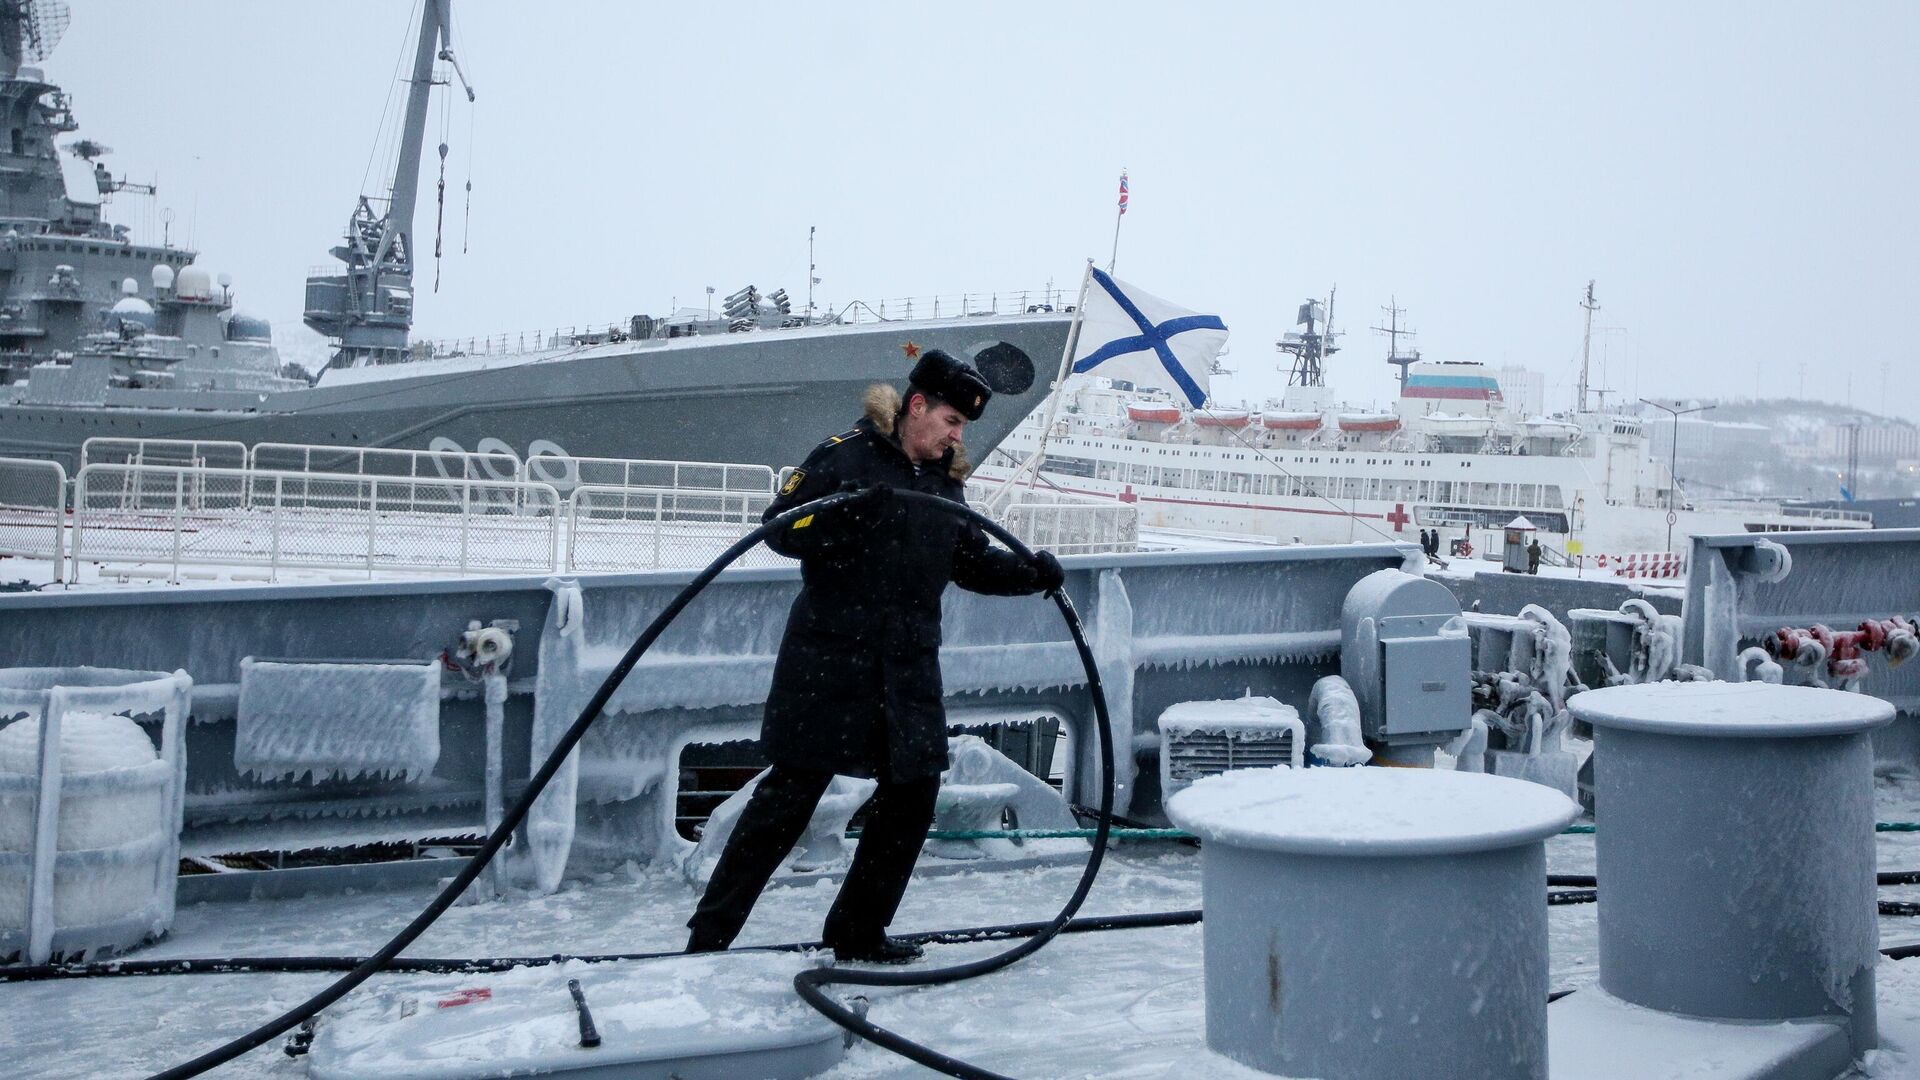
1373,922
1735,850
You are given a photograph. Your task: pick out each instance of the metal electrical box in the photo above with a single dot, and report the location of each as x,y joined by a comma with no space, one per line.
1404,650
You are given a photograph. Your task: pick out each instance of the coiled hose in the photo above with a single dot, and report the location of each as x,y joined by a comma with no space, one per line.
808,988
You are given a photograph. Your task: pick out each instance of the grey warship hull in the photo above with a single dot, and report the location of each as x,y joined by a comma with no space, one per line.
761,397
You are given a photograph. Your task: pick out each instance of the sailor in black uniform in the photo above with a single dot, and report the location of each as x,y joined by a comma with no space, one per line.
856,687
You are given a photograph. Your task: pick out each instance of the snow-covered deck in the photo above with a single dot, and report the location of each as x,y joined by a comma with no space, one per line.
1122,1004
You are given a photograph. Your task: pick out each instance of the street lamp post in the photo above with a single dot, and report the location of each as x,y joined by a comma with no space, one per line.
1673,457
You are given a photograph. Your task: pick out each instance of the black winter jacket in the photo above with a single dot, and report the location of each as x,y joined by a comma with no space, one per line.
856,687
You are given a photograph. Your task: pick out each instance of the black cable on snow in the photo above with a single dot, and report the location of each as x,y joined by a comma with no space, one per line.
807,983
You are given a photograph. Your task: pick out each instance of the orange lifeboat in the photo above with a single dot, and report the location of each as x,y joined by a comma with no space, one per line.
1222,418
1154,414
1290,421
1363,423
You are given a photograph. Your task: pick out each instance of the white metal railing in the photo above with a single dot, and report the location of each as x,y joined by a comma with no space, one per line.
208,453
566,473
181,516
449,464
33,510
639,528
1063,522
1067,529
960,305
1821,513
176,516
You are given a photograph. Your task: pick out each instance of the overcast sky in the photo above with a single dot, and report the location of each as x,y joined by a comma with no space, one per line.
1739,178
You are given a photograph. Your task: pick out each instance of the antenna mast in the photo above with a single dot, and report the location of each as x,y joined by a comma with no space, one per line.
1310,348
1586,345
1394,356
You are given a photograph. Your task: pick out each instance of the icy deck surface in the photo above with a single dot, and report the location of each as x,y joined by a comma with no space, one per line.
1122,1004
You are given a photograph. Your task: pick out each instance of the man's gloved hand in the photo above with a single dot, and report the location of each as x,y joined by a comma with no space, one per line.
1047,573
868,510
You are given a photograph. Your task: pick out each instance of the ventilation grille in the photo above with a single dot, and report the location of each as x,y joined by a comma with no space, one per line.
1194,754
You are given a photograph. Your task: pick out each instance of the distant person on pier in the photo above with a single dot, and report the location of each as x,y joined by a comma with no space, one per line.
1533,556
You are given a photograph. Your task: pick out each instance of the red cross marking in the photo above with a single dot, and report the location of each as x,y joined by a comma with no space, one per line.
1399,517
1128,496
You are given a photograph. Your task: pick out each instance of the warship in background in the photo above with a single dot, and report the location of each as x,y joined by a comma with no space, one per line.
1450,456
104,337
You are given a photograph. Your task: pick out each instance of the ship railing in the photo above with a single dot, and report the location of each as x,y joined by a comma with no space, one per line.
1063,522
204,453
895,309
520,341
1822,513
959,305
566,473
33,504
180,516
185,453
317,458
612,528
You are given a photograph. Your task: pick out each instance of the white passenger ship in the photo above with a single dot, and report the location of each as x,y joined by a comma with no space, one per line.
1449,456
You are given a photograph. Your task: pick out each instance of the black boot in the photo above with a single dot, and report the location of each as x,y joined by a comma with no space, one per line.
881,950
703,943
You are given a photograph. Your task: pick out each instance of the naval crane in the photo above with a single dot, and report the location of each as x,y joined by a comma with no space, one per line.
367,307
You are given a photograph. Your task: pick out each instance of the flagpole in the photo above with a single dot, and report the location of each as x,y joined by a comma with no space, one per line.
999,498
1119,214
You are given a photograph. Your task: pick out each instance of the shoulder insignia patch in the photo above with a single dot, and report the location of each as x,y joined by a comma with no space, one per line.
793,481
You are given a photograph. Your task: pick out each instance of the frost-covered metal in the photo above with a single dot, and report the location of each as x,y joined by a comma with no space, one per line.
1348,932
1164,627
1744,589
33,501
1735,850
89,825
1405,653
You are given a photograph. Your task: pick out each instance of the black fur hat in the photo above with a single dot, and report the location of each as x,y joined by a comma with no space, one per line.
952,381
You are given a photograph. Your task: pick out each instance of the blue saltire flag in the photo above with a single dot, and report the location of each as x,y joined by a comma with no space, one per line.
1128,333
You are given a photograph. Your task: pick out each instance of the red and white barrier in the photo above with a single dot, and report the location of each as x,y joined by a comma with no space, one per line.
1644,564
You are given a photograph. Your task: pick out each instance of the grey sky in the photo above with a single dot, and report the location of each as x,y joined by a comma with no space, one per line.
1739,178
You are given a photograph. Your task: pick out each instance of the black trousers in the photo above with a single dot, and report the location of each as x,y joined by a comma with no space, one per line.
776,816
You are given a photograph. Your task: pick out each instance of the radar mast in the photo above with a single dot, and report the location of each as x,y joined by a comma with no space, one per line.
1310,347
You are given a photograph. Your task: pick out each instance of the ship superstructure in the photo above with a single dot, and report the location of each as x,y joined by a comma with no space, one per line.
104,337
1449,455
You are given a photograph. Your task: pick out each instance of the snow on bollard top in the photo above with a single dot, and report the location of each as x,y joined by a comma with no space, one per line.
1749,710
1369,811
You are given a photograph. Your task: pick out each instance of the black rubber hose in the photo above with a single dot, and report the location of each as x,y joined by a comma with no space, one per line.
544,774
811,983
470,965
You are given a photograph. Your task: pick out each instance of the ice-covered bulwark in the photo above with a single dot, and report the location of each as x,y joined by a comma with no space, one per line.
338,719
89,814
1371,922
1735,849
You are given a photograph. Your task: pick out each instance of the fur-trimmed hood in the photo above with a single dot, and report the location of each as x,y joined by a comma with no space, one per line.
882,403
